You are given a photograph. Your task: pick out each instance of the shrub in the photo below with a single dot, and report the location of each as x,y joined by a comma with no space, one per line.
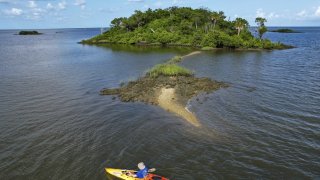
209,40
164,37
266,44
196,40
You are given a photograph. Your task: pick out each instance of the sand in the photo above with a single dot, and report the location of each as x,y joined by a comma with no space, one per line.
167,100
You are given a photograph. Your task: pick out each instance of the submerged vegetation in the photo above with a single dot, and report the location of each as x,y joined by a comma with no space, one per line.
183,26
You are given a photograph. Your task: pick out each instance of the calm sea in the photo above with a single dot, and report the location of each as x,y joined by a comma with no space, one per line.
55,125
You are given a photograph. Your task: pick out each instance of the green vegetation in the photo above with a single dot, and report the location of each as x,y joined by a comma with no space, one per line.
241,24
29,33
207,48
168,70
183,26
175,60
285,31
261,27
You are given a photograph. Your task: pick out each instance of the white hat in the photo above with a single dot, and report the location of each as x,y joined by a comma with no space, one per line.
141,165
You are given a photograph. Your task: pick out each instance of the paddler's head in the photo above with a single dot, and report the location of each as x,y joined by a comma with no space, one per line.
141,165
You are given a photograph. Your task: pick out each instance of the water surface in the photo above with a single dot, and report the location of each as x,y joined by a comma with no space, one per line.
54,124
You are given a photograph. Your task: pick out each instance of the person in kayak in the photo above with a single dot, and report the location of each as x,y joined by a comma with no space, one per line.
142,173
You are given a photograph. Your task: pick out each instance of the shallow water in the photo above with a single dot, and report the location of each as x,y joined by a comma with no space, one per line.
54,124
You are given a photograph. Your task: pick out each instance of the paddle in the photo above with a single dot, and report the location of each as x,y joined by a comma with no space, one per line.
150,170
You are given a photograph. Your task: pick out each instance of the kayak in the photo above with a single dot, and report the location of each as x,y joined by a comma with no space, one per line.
121,173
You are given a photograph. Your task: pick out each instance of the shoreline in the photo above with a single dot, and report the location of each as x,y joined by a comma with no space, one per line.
171,93
102,42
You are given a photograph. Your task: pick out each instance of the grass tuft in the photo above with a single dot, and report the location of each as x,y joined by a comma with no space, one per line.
168,70
175,60
207,48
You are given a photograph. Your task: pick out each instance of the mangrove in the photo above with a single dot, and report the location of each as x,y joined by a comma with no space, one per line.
184,26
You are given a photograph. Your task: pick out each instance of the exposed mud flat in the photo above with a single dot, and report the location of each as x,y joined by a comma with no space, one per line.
170,93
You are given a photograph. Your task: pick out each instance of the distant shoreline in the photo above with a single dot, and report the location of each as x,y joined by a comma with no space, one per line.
284,30
29,33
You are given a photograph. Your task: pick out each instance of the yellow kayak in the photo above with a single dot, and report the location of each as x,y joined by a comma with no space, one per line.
121,173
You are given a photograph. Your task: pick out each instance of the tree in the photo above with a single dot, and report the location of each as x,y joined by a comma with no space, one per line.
241,24
196,19
217,16
172,10
260,21
128,23
214,19
117,22
140,18
261,31
261,27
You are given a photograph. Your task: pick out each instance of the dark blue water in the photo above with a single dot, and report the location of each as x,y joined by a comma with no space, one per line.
54,124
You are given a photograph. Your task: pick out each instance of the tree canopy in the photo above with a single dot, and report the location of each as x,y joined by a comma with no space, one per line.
261,27
182,26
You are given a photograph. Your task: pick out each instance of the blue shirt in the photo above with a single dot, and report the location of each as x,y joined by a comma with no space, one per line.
142,173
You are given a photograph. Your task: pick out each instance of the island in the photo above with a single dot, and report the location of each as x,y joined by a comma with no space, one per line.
29,33
184,26
285,31
170,85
